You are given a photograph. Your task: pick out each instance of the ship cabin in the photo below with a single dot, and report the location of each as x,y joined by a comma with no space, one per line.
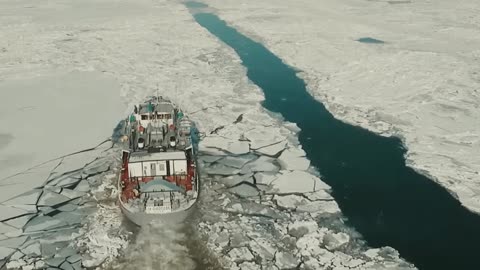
146,113
162,181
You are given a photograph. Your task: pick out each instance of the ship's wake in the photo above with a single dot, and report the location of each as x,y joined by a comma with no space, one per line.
157,246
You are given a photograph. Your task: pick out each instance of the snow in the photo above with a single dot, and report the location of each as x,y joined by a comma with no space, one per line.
416,85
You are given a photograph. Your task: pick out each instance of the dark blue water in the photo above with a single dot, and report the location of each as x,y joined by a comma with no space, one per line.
386,201
370,40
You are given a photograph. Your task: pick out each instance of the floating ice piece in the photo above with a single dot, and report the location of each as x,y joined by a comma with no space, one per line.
72,194
263,249
8,212
236,162
20,221
300,228
68,207
5,252
65,180
290,201
55,262
273,149
249,266
66,252
41,223
237,179
100,165
70,217
238,148
265,178
14,242
240,254
74,258
82,186
309,246
208,158
297,182
32,250
50,198
30,197
220,169
319,207
21,183
319,195
253,208
334,241
222,144
285,260
244,190
294,159
5,228
262,164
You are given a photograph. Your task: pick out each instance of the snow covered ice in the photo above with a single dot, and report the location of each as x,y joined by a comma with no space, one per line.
95,59
421,84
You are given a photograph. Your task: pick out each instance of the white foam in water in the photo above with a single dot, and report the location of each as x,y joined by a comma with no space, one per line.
157,246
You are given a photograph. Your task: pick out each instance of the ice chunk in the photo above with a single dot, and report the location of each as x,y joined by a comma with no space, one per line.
5,252
262,164
50,198
209,159
65,180
265,178
273,149
244,190
55,262
219,143
74,258
220,169
289,201
238,148
66,252
82,186
4,228
263,249
319,195
285,260
236,162
72,194
68,207
333,241
237,179
249,266
293,159
14,242
296,181
320,207
20,221
240,254
70,217
41,223
8,212
30,197
309,246
32,250
300,228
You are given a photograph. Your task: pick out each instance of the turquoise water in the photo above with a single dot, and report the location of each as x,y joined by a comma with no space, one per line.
386,201
370,40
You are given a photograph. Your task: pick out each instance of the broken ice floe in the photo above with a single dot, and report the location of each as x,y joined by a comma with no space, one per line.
39,226
276,211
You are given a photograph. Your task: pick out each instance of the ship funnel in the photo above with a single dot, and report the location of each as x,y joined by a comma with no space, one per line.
173,141
141,143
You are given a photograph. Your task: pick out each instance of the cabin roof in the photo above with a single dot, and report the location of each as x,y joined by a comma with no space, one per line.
160,108
145,156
